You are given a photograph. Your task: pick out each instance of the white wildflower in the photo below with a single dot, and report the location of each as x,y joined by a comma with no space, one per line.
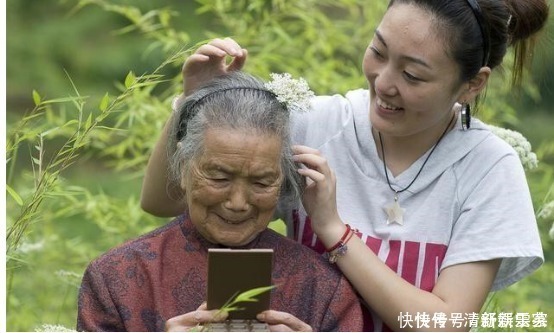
295,94
546,211
520,144
67,274
27,247
69,277
53,328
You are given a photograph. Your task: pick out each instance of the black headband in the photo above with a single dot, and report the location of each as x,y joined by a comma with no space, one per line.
484,29
186,115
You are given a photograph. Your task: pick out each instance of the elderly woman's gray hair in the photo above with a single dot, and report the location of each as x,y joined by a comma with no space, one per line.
240,102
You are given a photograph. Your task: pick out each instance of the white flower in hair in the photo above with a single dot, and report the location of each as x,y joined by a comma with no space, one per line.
520,144
295,93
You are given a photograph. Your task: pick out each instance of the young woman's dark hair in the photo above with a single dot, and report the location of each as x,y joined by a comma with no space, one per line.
484,29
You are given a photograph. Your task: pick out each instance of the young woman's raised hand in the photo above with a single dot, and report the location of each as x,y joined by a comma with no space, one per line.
211,60
319,197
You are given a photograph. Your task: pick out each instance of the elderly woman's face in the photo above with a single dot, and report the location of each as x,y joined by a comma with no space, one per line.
233,188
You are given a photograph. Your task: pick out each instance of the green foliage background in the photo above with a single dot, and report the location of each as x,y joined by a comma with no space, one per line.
89,88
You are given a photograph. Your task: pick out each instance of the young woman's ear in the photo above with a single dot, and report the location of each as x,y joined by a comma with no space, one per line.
476,85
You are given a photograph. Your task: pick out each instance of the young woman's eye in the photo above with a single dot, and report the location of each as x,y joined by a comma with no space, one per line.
376,52
412,78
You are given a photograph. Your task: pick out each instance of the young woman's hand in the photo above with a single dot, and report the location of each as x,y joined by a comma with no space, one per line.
283,322
210,60
319,199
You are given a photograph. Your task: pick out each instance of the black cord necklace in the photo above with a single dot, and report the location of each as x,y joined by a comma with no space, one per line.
395,212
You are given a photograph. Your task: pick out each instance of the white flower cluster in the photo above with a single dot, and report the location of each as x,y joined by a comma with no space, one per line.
53,328
294,93
547,213
520,144
27,247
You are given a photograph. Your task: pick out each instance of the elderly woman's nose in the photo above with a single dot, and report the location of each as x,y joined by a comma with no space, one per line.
237,199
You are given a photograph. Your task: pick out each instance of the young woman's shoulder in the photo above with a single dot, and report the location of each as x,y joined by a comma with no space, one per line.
327,117
499,146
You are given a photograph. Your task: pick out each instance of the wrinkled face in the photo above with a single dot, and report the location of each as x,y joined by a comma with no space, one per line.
413,82
233,188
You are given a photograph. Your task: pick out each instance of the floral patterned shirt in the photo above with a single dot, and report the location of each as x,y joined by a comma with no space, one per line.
139,285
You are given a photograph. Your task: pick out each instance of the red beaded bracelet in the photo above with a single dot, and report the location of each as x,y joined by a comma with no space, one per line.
340,251
342,240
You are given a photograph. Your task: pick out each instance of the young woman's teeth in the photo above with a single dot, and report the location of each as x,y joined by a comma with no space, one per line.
388,106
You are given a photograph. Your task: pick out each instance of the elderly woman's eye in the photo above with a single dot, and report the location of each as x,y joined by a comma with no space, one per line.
219,180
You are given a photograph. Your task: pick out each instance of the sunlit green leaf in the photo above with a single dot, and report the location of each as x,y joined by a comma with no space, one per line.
89,121
74,99
48,132
36,97
104,102
130,79
232,308
248,296
14,195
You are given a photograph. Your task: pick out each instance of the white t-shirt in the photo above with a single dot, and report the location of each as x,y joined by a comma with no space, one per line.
470,203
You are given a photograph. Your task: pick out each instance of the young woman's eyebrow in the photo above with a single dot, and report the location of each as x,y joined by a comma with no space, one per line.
405,57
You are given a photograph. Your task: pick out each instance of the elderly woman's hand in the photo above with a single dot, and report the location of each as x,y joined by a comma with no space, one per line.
210,61
283,322
195,319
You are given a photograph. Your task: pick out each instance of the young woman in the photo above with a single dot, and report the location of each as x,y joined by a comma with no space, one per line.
422,209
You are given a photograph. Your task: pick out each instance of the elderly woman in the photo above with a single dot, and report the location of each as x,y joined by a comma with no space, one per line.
233,160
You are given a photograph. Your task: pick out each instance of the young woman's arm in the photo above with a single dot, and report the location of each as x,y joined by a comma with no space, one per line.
159,196
460,288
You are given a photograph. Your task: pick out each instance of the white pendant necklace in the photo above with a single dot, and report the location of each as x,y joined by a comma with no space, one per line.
395,213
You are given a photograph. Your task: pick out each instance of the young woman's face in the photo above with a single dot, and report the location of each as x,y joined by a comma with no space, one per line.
413,82
233,188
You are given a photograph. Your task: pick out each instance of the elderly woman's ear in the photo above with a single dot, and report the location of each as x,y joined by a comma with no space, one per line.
182,178
183,185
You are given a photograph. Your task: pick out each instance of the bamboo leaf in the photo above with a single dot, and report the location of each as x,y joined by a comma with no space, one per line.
44,134
31,117
232,308
248,296
89,121
36,97
14,195
104,103
129,80
74,99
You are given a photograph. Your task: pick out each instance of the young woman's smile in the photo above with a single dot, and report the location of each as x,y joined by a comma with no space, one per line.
413,85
